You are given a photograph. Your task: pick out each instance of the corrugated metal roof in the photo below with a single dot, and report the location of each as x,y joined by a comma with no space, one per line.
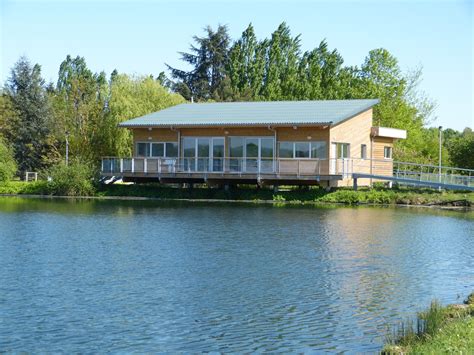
260,113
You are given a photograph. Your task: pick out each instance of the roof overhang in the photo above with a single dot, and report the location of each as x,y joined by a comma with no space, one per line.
230,124
387,132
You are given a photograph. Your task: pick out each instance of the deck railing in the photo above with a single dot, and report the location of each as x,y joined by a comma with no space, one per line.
289,167
299,167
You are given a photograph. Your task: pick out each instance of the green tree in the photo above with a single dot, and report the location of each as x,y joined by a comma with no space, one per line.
461,150
209,58
31,136
246,66
282,65
80,102
132,97
9,118
8,165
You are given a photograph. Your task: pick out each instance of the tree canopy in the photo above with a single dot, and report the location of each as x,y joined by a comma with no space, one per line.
36,116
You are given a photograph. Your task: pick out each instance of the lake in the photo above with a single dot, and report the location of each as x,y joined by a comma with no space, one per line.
89,275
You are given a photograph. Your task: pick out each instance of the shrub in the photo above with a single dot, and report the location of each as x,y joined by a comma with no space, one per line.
75,179
8,165
343,196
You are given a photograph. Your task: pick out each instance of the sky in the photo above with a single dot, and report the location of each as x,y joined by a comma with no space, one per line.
139,37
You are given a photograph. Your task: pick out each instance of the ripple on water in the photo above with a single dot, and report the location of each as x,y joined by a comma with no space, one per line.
108,276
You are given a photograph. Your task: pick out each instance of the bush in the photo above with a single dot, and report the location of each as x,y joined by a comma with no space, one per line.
75,179
343,196
7,162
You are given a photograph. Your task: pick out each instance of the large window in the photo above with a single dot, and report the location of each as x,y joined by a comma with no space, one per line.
387,152
157,149
203,153
314,150
251,154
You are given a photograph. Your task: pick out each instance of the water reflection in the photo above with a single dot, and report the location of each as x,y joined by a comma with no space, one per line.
91,275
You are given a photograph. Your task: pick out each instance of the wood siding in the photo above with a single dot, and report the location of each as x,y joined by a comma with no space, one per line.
355,131
381,166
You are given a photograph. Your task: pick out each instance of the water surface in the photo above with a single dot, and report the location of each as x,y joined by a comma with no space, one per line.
89,276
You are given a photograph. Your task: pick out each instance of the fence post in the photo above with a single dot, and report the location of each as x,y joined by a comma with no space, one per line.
121,165
133,165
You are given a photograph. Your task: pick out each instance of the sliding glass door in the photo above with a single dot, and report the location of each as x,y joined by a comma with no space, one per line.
203,154
251,154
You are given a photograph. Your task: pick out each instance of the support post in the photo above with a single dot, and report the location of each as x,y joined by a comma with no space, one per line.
354,183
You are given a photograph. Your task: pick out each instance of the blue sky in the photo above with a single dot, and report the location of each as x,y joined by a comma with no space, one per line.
138,37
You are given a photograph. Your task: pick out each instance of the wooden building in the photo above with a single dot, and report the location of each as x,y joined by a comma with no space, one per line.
283,142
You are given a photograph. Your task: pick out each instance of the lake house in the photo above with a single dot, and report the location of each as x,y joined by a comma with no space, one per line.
274,143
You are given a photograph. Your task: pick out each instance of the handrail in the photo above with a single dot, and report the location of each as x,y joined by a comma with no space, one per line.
299,167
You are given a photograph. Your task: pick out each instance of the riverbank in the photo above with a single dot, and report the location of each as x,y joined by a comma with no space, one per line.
381,196
440,329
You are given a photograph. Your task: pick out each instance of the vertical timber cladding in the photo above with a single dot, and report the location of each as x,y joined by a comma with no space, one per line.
381,165
355,131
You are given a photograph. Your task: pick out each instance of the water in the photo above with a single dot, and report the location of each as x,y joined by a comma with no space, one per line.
89,276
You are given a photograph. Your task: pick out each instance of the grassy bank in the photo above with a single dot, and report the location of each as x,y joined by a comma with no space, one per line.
403,196
440,329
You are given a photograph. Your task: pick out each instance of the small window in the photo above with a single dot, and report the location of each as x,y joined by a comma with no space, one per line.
301,150
143,149
363,151
342,150
387,152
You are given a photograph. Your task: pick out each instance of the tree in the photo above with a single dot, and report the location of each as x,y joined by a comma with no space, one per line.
282,64
7,162
31,135
80,104
246,66
131,97
461,150
9,118
209,59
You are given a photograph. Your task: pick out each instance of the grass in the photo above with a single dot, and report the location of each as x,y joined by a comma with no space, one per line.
377,195
440,329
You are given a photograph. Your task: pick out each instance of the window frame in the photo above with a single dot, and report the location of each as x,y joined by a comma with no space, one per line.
363,151
310,146
387,148
150,149
340,149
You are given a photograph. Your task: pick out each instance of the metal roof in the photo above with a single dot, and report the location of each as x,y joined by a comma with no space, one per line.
262,113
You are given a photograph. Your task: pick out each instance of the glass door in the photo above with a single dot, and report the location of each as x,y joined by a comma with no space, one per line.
217,160
251,154
189,154
203,154
266,155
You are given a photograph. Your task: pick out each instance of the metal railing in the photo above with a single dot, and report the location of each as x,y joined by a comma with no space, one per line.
299,167
434,173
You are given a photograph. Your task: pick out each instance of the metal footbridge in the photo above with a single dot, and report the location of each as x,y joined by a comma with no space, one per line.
424,175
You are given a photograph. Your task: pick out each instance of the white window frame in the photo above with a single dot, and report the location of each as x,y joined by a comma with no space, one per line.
390,149
348,150
294,149
165,155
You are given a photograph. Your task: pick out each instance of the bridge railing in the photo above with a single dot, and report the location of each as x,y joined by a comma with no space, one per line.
434,173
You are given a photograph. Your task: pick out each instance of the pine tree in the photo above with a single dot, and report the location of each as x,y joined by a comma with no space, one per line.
31,137
209,57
